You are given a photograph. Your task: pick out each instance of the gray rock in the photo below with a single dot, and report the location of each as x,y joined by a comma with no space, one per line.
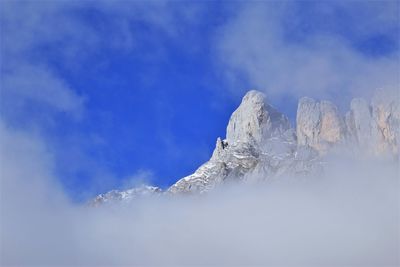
386,114
374,128
319,124
360,127
255,120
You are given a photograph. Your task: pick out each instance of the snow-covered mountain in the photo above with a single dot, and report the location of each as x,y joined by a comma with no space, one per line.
260,143
125,196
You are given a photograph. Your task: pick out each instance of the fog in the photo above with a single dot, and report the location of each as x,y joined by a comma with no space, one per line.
347,216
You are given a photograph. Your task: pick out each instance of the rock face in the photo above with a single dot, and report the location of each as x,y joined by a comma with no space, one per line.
386,114
370,128
319,124
255,120
375,126
261,145
360,125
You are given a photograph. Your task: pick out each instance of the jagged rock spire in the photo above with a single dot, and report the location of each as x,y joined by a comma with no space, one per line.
254,120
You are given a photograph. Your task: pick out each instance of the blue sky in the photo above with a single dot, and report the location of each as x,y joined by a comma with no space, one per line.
127,91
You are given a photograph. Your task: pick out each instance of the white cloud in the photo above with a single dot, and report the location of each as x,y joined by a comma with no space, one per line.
29,84
35,34
255,44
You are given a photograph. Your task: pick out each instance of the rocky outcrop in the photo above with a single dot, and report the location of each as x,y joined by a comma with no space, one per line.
255,120
375,127
386,114
259,140
319,124
361,128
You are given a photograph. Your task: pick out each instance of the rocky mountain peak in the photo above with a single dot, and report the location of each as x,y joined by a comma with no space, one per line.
255,120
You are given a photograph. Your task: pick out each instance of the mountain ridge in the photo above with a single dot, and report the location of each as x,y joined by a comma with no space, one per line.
260,143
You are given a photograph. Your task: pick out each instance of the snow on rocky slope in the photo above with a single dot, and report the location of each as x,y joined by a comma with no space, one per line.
260,144
124,196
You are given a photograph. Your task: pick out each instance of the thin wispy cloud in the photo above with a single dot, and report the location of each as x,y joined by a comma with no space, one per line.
287,49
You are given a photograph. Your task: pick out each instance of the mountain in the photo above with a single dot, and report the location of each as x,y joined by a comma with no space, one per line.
259,139
261,145
124,196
